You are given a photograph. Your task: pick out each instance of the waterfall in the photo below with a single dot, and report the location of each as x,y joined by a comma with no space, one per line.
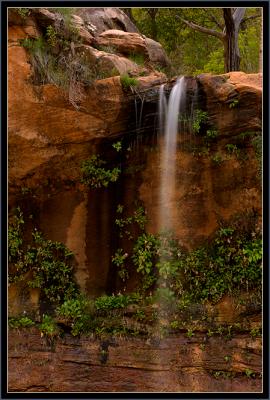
168,149
162,108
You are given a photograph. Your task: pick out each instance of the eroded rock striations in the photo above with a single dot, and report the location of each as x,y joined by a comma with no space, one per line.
49,138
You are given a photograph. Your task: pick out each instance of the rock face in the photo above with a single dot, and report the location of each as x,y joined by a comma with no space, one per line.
173,364
234,101
49,138
55,138
106,18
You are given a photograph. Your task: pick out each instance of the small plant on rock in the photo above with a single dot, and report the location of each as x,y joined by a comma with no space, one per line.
95,175
128,81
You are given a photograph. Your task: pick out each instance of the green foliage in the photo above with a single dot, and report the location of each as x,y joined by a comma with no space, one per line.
20,322
257,145
95,175
200,118
165,297
127,81
50,263
232,148
217,159
33,45
138,218
117,146
143,251
104,303
48,327
137,58
255,332
231,262
192,52
15,239
234,103
119,260
249,373
23,12
51,36
249,45
73,308
190,333
211,134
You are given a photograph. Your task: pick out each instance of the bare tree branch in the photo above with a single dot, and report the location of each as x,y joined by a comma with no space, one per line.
202,29
214,19
250,17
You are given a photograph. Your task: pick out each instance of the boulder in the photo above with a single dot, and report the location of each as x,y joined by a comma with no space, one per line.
84,30
124,42
107,62
156,53
104,18
233,101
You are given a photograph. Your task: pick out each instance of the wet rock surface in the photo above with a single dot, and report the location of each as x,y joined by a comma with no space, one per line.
173,364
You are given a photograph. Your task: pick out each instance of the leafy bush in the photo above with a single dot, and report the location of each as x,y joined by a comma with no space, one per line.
48,327
21,322
51,36
200,118
211,134
50,263
95,175
23,12
128,81
231,262
73,309
139,218
112,302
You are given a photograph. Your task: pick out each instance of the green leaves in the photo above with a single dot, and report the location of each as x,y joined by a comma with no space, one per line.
50,263
113,302
200,118
95,175
127,81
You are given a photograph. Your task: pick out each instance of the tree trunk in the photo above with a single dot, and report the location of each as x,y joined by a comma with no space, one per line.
231,52
231,49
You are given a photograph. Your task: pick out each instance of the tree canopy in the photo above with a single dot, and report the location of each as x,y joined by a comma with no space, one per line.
193,51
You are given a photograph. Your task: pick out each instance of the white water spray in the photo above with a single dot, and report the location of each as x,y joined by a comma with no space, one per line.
168,153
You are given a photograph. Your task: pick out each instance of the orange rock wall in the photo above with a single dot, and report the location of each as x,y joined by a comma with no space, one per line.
173,364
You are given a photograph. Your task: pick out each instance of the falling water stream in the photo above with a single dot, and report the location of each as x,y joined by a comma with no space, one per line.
169,121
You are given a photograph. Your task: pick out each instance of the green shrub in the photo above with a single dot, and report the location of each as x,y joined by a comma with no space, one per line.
114,302
128,81
200,118
20,322
164,296
211,134
231,262
95,175
73,309
50,263
23,12
51,36
48,327
119,260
